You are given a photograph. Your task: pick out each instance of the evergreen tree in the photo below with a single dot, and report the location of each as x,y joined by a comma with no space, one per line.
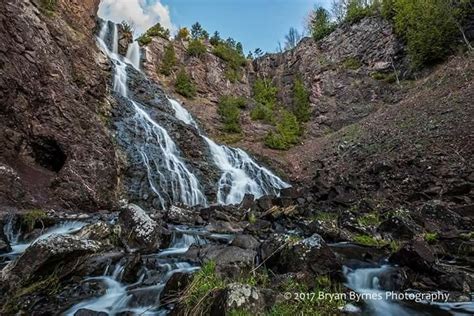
196,30
169,60
215,39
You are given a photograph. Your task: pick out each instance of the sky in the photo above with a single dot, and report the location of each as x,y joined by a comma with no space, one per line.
255,23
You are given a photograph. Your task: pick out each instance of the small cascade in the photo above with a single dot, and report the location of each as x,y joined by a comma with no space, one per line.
168,176
240,174
133,54
181,243
115,40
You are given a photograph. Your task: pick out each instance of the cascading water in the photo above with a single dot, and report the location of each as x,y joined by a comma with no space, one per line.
240,174
133,54
168,176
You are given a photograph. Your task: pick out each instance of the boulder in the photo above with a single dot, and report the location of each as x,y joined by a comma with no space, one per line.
290,254
416,255
174,287
180,215
138,230
245,242
42,257
241,297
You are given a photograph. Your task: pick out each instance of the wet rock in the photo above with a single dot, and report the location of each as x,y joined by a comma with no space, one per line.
416,255
224,227
180,215
88,312
245,242
174,287
399,228
99,231
292,254
42,257
139,231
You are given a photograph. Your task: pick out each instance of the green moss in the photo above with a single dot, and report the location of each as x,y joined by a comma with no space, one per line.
371,219
467,236
431,238
367,240
230,138
351,63
239,312
48,6
252,218
387,77
326,217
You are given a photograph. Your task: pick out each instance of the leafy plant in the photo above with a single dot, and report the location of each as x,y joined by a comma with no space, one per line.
169,60
301,106
351,63
183,34
184,84
196,48
229,110
155,31
371,219
431,238
320,23
367,240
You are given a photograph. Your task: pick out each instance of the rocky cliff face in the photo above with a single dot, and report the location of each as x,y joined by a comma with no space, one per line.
56,149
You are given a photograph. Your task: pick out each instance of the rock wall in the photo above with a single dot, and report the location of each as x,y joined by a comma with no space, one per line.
56,149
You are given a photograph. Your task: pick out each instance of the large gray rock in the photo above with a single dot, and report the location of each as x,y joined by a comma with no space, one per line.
42,258
138,230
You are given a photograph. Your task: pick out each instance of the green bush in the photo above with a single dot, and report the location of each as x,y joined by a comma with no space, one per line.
169,60
184,84
155,31
287,132
265,95
196,48
48,6
428,26
231,52
351,63
320,23
356,10
229,111
301,106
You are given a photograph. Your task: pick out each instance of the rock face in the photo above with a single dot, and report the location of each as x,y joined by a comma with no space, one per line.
55,147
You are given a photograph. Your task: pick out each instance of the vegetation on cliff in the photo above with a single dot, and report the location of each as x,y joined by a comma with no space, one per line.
184,84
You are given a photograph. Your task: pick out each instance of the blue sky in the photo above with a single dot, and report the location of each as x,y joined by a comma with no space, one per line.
255,23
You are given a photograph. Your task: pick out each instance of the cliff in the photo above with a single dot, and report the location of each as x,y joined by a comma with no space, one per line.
56,149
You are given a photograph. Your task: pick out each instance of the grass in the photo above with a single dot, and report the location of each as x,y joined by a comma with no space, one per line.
252,218
351,63
370,241
386,77
371,219
326,217
430,238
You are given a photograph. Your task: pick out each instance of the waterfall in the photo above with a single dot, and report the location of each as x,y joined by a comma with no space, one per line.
240,174
133,54
115,40
168,176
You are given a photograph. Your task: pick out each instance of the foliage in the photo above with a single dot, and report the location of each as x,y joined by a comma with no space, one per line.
215,39
356,10
169,60
231,53
301,106
351,63
196,48
367,240
197,32
265,94
155,31
48,6
183,34
204,282
430,238
32,217
229,111
286,134
184,84
326,217
428,26
387,77
320,23
371,219
127,27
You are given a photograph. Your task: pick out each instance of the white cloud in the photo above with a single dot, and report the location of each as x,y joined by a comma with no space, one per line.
143,14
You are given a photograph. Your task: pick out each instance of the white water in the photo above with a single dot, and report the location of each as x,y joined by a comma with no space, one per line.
20,247
118,295
168,175
366,281
133,54
240,174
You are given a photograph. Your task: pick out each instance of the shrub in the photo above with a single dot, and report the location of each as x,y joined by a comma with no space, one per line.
196,48
48,6
265,94
184,84
431,238
229,54
215,39
155,31
262,113
183,34
371,219
351,63
367,240
428,26
287,132
356,10
229,110
301,106
320,23
169,60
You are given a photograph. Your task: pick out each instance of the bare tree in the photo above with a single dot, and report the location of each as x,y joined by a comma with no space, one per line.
292,38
